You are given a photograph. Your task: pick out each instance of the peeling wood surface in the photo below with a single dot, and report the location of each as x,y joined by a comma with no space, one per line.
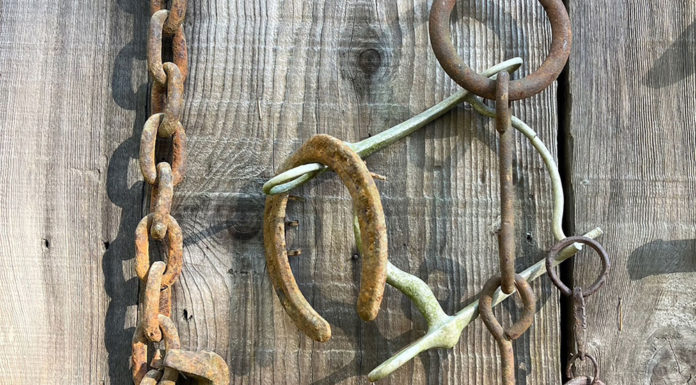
633,143
265,76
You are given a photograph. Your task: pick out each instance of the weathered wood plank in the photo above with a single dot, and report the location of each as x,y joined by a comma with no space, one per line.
265,76
631,128
71,105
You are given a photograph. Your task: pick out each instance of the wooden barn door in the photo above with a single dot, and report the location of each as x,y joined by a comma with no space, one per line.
267,75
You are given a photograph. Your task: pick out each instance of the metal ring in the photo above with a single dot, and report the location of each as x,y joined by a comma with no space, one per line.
154,48
139,365
174,106
176,15
570,372
519,89
162,196
148,140
174,253
486,309
553,253
356,177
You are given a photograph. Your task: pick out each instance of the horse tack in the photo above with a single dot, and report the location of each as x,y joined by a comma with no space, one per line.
356,177
155,323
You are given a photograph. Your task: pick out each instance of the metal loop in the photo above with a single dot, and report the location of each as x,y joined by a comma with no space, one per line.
154,48
151,377
139,346
176,15
606,264
368,207
506,235
175,101
570,367
153,283
486,309
455,67
174,254
162,197
148,140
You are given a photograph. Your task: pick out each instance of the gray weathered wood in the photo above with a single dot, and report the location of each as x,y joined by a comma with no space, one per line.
631,123
264,77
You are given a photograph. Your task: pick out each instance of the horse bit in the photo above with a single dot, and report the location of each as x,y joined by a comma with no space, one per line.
323,152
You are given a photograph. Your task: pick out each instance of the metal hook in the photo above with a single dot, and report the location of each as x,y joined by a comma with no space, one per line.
366,201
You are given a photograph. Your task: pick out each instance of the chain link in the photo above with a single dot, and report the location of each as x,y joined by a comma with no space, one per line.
167,101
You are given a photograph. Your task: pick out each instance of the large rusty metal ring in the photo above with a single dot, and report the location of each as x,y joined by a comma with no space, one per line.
486,309
139,365
519,89
366,201
174,254
176,14
553,253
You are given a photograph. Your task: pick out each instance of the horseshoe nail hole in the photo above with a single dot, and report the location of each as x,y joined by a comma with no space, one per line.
187,316
46,243
529,237
369,60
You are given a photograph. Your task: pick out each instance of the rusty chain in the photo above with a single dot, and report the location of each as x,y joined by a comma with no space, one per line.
156,325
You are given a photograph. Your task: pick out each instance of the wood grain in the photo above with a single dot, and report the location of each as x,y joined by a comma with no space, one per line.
632,90
264,77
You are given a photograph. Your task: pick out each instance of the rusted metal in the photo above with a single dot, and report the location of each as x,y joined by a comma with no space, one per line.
176,15
139,366
154,48
457,69
151,302
163,196
503,336
368,206
174,254
175,101
151,377
201,365
148,141
158,97
506,235
582,380
579,321
604,257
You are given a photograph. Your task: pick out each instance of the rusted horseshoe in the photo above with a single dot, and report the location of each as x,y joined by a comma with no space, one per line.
366,201
202,365
446,54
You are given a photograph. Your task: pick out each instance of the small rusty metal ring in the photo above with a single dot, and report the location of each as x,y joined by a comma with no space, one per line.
368,206
486,309
562,244
139,365
174,105
154,48
148,140
455,67
570,367
174,254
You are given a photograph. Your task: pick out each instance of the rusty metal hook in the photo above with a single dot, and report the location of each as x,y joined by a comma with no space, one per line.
338,156
441,41
139,344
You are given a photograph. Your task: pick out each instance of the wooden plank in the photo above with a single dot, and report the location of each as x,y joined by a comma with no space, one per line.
631,131
266,76
72,101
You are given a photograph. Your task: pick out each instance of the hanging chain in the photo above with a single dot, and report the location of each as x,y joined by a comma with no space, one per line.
166,100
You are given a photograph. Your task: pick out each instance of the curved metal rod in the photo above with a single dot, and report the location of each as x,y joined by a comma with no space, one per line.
297,176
